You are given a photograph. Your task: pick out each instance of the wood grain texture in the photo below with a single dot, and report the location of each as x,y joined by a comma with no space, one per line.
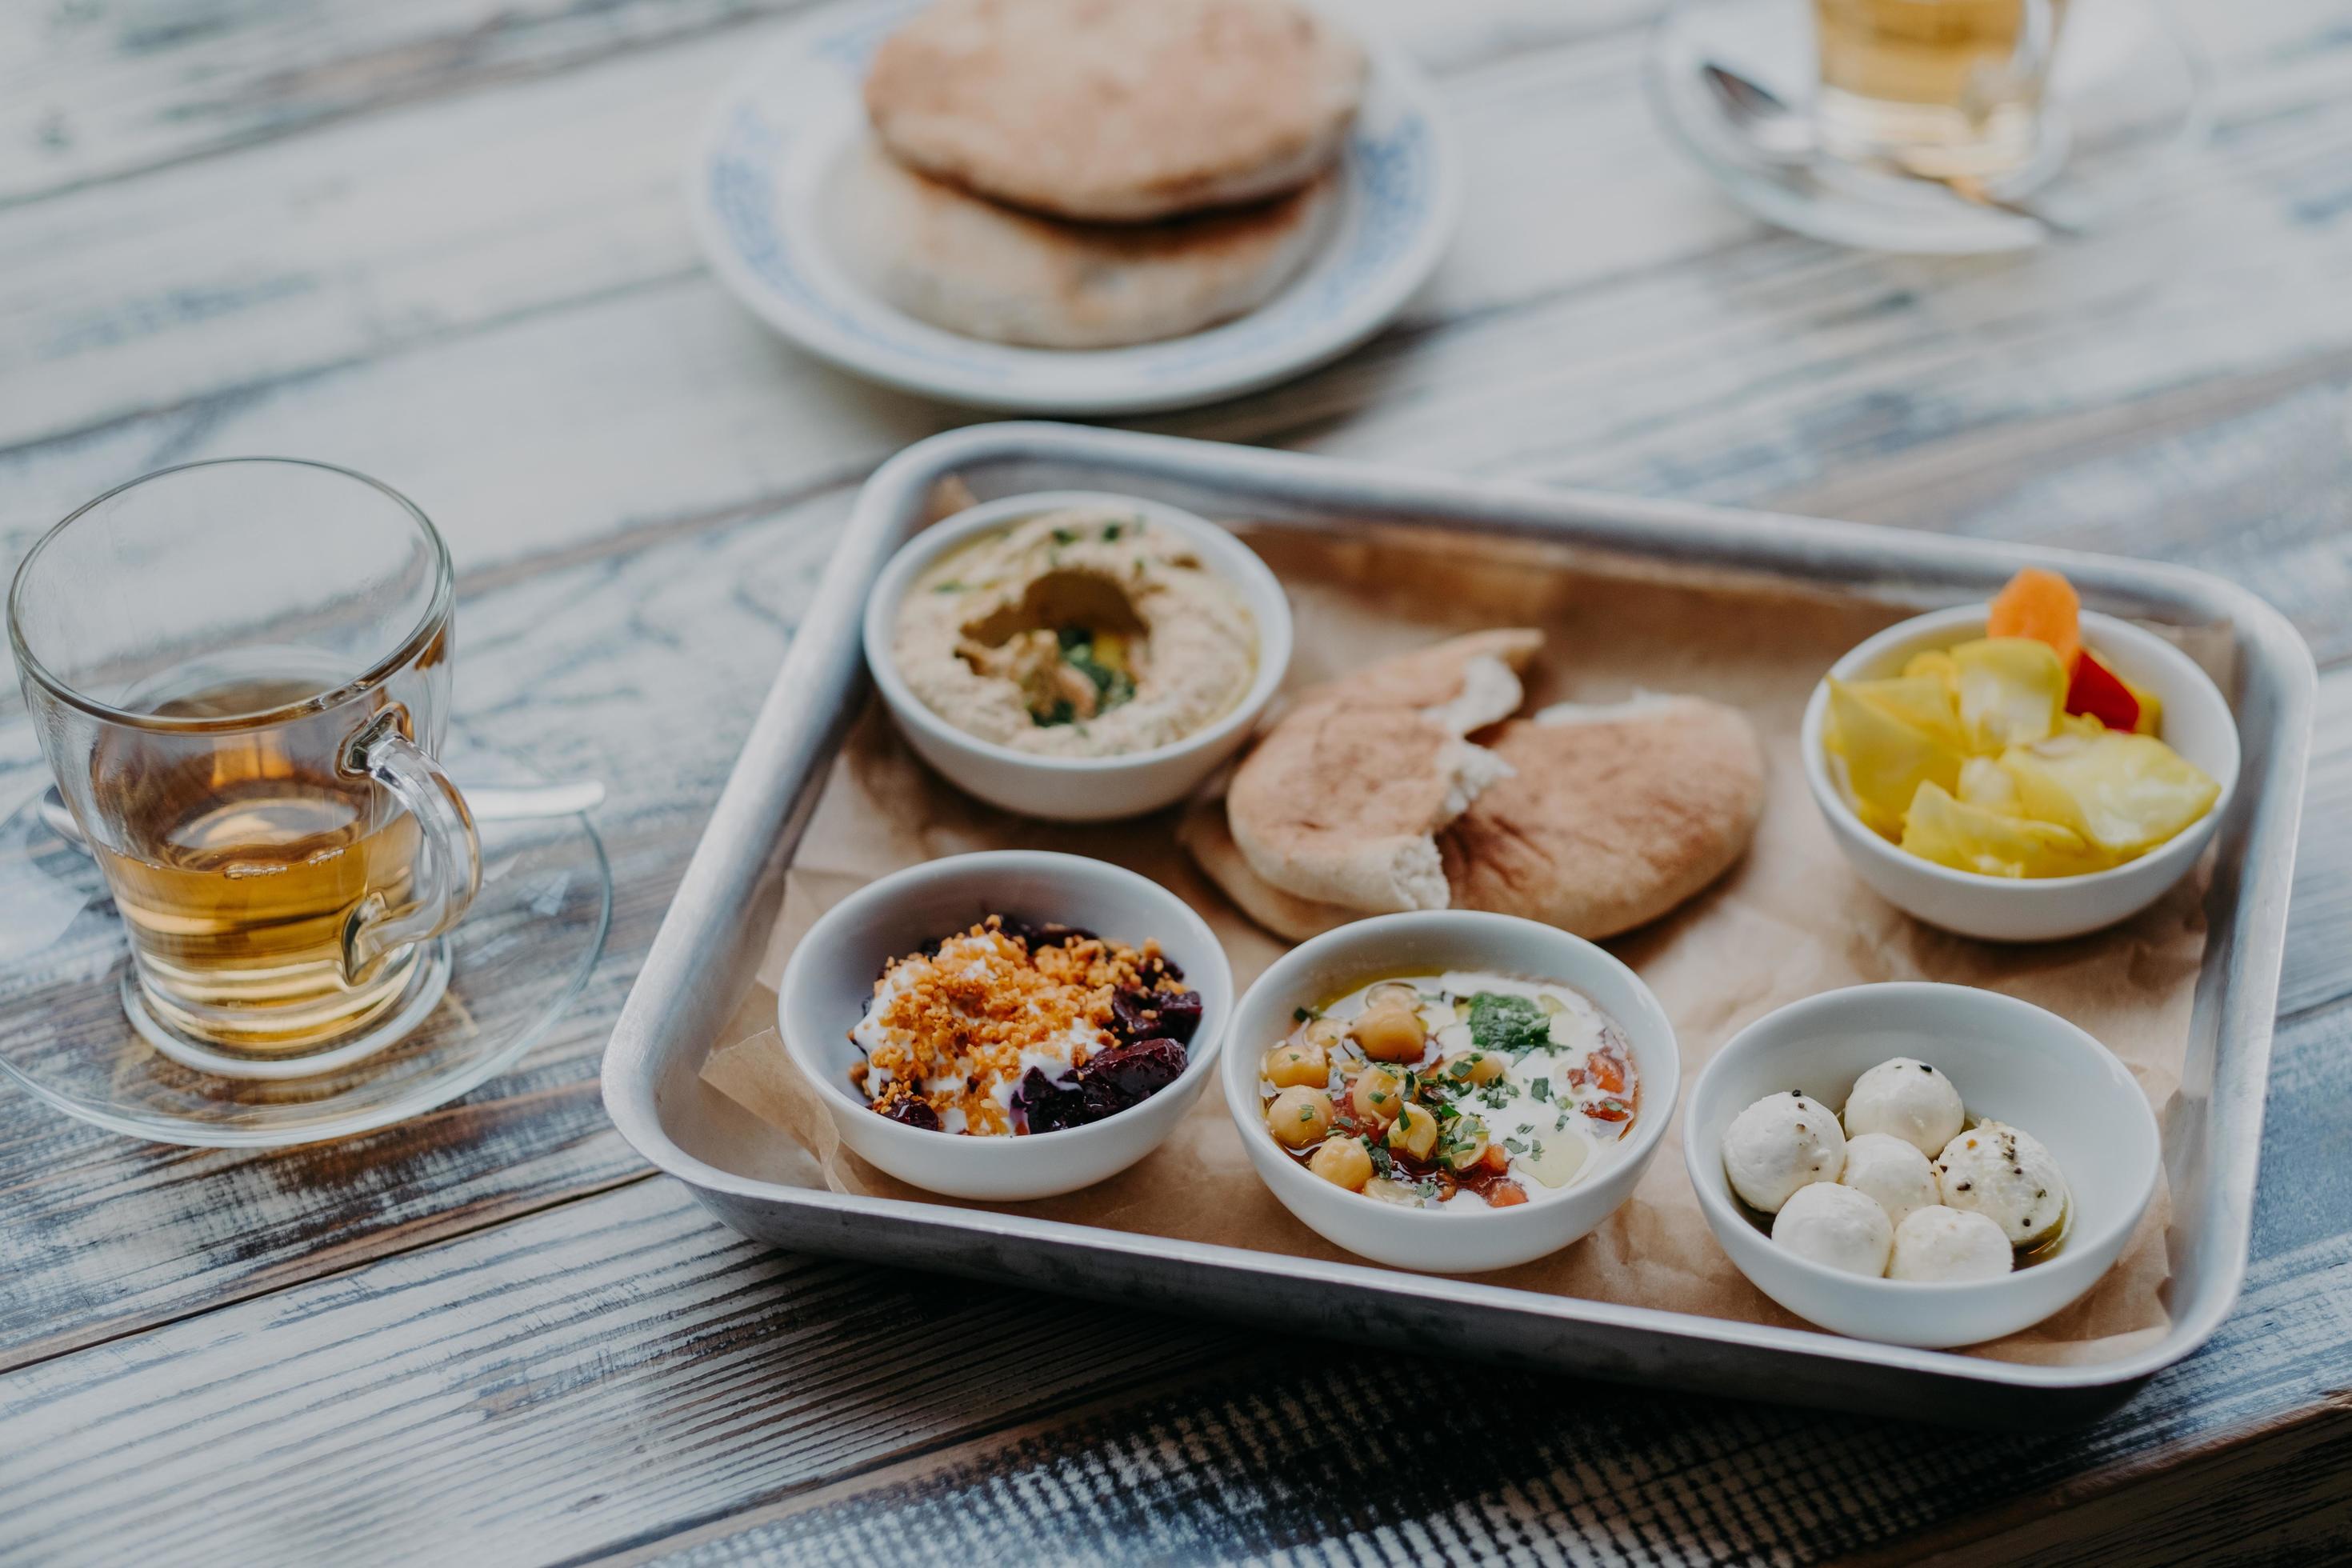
97,92
621,1368
442,242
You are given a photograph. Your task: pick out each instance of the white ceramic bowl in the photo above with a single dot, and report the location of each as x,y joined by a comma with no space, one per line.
832,973
1447,1241
1075,789
2012,1062
2197,723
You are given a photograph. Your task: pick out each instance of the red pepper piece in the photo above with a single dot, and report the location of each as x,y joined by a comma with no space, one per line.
1608,1070
2096,690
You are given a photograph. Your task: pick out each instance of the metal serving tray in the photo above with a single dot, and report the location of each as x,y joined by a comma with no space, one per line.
703,959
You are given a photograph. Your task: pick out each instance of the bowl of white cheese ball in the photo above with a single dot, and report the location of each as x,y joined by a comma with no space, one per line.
1921,1165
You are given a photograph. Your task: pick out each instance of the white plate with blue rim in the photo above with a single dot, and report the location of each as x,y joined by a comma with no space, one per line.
776,136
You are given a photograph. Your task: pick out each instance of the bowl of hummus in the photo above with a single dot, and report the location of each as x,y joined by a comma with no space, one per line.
1075,655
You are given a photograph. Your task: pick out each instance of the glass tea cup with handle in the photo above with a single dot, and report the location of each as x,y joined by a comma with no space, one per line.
1950,90
240,672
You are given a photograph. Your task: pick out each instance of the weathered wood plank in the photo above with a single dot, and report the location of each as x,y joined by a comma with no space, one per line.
716,1366
407,227
643,672
581,1380
90,93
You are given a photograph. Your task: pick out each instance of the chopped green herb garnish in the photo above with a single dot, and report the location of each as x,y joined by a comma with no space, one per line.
1066,535
1516,1145
1539,1088
1304,1014
1111,530
1512,1024
947,587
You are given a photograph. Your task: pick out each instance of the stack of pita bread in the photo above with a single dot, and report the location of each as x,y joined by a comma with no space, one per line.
1087,173
1409,785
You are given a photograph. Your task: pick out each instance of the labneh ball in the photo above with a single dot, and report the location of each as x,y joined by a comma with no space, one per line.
1907,1099
2006,1175
1940,1243
1836,1225
1892,1172
1779,1144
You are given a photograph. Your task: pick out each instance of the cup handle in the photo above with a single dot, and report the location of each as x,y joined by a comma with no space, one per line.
448,869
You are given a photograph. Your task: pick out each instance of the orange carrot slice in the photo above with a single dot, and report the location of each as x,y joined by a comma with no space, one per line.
2042,605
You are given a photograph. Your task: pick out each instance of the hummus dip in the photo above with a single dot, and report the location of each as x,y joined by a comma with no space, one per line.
1090,632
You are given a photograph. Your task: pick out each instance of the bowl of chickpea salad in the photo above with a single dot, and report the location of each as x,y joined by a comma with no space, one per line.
1451,1090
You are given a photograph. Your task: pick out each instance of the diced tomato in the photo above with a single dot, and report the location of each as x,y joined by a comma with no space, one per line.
2101,693
1607,1071
1608,1110
1504,1194
1497,1159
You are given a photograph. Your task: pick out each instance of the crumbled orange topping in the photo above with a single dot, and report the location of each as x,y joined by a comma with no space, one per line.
971,1011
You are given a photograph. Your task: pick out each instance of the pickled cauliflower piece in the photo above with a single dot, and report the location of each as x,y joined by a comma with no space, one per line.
2123,795
2012,690
1926,703
1992,843
1887,758
1986,784
1936,665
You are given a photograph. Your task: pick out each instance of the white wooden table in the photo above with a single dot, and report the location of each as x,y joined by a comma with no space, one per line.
442,242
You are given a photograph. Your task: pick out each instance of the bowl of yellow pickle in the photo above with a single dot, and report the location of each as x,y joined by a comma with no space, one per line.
2023,770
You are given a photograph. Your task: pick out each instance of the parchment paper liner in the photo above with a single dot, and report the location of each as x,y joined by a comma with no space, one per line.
1788,922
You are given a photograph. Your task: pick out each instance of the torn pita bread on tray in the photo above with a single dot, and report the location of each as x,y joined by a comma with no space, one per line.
1371,796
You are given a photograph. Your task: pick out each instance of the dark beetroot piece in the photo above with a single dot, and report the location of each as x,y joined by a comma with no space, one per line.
1138,1015
1126,1076
1045,1106
913,1112
1112,1081
1042,933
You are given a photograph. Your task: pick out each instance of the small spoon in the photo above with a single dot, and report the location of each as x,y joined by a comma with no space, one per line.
1765,121
488,804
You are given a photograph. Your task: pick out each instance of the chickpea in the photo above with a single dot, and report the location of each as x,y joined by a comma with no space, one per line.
1375,1096
1325,1033
1395,994
1290,1066
1298,1117
1343,1163
1414,1130
1464,1143
1476,1068
1392,1035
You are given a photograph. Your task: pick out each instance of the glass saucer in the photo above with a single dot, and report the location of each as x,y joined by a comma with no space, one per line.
2126,93
517,959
